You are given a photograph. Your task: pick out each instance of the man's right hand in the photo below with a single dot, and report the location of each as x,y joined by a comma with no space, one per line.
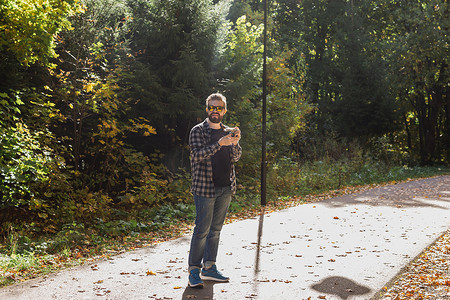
228,140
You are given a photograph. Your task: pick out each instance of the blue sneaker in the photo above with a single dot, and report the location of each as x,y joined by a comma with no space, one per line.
194,279
213,274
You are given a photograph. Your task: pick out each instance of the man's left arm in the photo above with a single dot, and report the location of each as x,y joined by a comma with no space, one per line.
236,149
236,152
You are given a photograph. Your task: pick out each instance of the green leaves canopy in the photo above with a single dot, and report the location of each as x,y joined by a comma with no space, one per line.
28,28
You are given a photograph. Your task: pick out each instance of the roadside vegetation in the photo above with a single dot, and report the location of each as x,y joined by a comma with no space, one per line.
25,255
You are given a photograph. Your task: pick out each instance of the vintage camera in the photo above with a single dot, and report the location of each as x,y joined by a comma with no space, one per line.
230,130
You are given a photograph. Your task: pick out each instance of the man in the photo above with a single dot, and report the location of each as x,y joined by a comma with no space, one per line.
214,149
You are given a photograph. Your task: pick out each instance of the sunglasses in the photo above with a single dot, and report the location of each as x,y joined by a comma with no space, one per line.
218,108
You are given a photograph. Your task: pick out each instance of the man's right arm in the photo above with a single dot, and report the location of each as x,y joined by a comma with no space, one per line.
199,148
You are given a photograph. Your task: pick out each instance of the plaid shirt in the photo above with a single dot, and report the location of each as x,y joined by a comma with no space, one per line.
201,167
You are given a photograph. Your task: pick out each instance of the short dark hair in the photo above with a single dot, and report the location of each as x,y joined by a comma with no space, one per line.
216,96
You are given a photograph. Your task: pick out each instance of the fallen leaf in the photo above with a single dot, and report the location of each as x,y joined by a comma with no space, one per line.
150,273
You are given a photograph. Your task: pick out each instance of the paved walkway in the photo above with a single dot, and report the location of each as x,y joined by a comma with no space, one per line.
347,247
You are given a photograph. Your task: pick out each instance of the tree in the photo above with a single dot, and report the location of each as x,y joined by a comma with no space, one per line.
363,107
92,71
28,28
344,77
414,40
177,45
27,41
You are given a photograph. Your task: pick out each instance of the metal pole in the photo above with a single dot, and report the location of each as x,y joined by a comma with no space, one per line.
264,111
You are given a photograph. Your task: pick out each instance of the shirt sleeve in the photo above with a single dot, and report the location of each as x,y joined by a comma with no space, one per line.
199,147
236,152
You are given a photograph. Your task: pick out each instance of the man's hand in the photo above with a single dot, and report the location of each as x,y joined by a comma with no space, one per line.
231,139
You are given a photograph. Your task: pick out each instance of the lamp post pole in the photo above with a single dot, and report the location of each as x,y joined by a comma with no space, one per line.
264,111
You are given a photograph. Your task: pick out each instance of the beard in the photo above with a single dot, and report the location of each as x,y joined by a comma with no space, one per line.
215,118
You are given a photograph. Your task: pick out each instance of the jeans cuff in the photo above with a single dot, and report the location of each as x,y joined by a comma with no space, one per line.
193,267
209,264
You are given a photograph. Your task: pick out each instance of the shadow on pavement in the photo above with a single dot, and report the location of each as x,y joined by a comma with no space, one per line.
207,292
340,286
433,192
258,245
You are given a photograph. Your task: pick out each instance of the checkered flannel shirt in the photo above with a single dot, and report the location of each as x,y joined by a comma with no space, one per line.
201,151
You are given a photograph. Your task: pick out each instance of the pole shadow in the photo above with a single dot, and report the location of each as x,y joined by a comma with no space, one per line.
341,287
258,244
257,269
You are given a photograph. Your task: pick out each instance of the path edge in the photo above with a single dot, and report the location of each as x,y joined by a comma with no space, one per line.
381,292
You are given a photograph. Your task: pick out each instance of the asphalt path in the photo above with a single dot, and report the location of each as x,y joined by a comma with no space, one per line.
347,247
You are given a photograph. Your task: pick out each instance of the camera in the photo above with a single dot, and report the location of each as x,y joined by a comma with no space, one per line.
230,130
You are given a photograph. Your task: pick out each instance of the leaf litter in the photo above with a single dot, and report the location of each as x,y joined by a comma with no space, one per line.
427,277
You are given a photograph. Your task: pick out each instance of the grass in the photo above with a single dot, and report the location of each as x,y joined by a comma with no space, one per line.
22,258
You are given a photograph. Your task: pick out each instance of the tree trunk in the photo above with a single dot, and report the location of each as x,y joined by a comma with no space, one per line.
408,133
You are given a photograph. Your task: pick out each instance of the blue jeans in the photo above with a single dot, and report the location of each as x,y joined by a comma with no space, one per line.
210,215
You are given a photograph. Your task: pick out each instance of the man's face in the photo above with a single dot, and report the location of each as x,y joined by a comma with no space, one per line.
216,110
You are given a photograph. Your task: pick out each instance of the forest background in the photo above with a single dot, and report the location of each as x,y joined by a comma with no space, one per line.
98,98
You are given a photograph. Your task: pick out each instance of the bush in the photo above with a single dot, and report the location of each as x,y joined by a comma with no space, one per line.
22,163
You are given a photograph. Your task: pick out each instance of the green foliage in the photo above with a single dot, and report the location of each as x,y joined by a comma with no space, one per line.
287,106
242,62
18,261
9,109
415,42
71,235
242,67
27,28
148,220
156,191
24,158
176,45
369,62
22,163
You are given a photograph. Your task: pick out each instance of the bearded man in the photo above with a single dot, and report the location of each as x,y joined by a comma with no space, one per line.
214,148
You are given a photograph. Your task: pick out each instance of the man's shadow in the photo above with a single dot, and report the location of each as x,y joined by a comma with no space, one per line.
207,292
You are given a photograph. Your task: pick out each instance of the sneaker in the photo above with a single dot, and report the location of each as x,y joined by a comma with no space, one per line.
213,274
194,279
